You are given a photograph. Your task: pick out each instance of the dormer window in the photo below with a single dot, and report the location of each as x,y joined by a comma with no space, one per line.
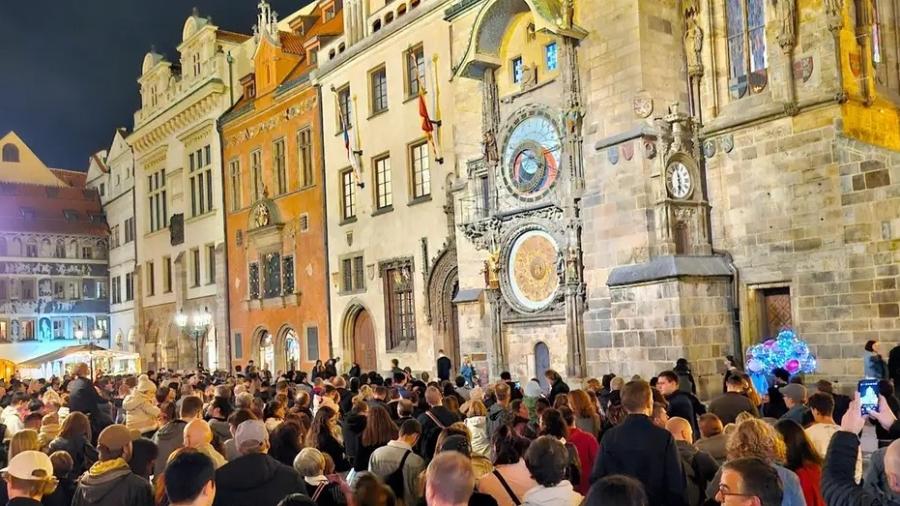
10,153
71,215
328,13
248,82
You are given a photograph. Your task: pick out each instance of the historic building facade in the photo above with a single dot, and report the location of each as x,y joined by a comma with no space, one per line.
391,245
657,180
179,214
275,197
111,174
53,251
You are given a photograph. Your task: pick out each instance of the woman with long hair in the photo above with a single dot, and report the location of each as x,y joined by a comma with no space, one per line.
379,430
553,424
24,440
75,437
803,459
285,442
274,415
752,437
323,435
586,416
507,452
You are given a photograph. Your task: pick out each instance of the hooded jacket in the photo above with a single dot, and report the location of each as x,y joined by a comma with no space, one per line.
256,480
168,438
140,412
561,495
113,488
481,444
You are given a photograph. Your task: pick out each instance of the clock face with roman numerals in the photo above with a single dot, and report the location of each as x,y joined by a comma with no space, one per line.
531,158
678,180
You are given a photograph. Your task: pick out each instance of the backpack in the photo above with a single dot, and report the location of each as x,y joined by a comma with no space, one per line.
395,479
430,436
695,487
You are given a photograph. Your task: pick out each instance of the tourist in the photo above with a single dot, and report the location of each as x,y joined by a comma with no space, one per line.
841,401
444,365
24,440
873,363
497,413
199,436
750,481
144,453
586,416
190,480
679,402
379,431
286,442
433,421
886,391
732,403
75,439
273,415
12,415
66,484
238,417
218,412
49,430
254,478
83,398
795,400
586,446
476,421
802,458
141,411
449,481
510,480
110,481
310,463
324,435
398,465
699,467
557,385
29,477
618,490
712,438
546,460
775,406
686,381
463,390
467,371
641,450
170,436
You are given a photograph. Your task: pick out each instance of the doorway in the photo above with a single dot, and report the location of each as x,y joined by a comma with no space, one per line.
541,364
363,339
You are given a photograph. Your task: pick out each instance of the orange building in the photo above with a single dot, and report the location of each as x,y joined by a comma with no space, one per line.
275,197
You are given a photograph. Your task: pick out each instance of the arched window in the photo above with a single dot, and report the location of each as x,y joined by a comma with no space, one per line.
401,10
747,58
10,153
60,249
16,250
389,17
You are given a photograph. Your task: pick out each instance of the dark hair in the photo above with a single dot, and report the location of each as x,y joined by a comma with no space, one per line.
506,446
19,397
379,427
552,375
619,490
240,416
319,428
35,405
187,474
285,442
553,424
31,417
735,380
541,404
162,393
606,380
297,500
781,374
144,453
409,427
799,450
825,386
870,344
567,415
222,404
760,479
547,461
635,395
271,409
460,381
190,406
821,402
886,388
669,375
505,376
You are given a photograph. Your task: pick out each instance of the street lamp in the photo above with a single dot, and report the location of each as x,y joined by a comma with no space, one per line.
196,327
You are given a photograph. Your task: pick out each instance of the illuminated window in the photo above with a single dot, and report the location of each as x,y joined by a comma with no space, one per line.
550,56
746,46
518,70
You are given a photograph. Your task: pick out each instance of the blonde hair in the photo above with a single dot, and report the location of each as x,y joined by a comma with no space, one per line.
755,438
309,462
581,404
476,408
23,440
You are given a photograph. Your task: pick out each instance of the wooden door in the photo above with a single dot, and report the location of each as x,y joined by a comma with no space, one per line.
776,313
364,342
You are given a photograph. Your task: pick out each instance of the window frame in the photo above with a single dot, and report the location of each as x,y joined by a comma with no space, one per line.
344,109
210,264
399,306
348,195
410,84
383,200
378,90
158,201
746,46
279,165
234,166
306,174
256,176
195,267
167,274
151,281
412,159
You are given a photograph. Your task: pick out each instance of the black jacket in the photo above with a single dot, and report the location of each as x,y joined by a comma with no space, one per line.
352,429
256,480
681,405
559,387
63,494
729,405
443,368
84,399
83,454
839,487
431,430
328,444
643,451
114,488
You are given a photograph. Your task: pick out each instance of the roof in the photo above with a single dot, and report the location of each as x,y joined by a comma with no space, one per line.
100,163
292,43
231,36
25,167
72,178
49,209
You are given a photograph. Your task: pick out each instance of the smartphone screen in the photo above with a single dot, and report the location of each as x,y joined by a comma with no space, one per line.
868,396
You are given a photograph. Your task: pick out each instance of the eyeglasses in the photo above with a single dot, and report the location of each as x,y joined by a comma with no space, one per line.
724,492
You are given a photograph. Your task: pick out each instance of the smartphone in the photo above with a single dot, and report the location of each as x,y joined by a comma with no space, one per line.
868,396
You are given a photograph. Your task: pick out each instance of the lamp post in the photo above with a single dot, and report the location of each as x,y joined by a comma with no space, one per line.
197,326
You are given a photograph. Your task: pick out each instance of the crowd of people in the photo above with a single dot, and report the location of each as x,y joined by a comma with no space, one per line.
323,438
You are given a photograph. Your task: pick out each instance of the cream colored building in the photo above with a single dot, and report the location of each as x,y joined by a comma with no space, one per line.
178,193
392,256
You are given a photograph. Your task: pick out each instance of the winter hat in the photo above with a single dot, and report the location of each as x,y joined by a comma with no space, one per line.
144,385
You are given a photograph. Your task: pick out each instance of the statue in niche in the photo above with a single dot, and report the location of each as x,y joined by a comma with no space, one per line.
572,119
529,76
489,147
492,269
693,44
787,17
569,14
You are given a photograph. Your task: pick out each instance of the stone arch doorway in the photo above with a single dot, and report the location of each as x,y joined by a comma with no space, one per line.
359,337
541,363
443,285
265,358
291,350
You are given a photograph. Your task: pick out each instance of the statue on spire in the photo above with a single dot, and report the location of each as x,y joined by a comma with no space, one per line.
267,21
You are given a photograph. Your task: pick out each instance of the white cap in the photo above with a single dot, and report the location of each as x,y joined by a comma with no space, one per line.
30,465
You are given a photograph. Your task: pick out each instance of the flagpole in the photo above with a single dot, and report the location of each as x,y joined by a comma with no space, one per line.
358,152
437,110
355,163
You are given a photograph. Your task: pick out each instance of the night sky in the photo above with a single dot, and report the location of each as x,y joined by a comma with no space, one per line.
69,68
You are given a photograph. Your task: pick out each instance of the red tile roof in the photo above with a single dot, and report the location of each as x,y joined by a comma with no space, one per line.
71,177
292,43
44,209
231,36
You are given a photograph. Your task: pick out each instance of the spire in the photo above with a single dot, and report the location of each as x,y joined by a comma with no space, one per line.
267,21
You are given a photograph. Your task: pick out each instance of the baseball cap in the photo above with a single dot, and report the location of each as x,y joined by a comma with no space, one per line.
250,433
29,465
115,437
794,391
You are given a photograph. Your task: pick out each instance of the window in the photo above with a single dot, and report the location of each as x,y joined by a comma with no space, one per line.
87,252
400,318
746,20
102,190
129,230
550,56
10,153
343,112
156,183
256,174
352,275
200,167
31,249
421,171
195,267
167,274
59,329
3,247
329,13
415,66
28,330
383,194
210,263
518,70
196,61
4,289
304,156
312,343
235,167
129,286
280,173
378,90
348,196
26,290
272,275
254,280
115,291
116,238
4,331
151,280
287,274
774,311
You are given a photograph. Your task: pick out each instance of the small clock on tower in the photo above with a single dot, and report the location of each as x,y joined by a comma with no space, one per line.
678,180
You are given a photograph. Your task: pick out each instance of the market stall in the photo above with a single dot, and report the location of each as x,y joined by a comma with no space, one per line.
100,359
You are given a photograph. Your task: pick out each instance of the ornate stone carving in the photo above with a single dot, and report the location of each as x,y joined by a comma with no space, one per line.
176,229
489,147
529,76
787,23
835,12
440,282
649,148
642,105
803,68
693,45
727,143
709,148
612,154
628,151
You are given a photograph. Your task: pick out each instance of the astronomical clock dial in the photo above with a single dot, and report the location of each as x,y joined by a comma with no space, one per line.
531,158
531,268
678,180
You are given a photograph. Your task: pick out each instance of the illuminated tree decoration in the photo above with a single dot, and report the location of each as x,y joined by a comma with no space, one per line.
786,351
